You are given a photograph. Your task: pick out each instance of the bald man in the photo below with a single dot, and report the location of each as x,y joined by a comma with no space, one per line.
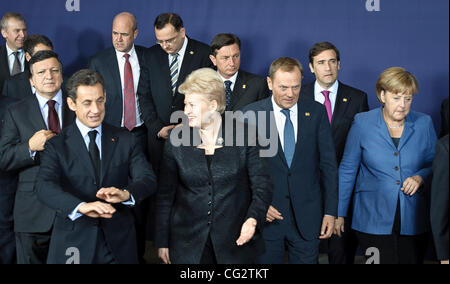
121,66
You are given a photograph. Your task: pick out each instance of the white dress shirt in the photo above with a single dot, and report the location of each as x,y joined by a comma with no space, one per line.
320,98
181,53
136,69
43,106
232,79
280,120
11,58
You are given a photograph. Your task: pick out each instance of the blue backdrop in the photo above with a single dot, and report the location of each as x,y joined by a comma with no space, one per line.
371,35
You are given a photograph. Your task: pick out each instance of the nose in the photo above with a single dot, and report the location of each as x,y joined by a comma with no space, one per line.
94,108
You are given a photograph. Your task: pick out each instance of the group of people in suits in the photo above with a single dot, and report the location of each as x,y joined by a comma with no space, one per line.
80,162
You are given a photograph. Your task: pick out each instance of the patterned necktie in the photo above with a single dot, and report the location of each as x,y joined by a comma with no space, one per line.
174,72
129,102
289,138
327,104
53,120
228,92
94,154
16,65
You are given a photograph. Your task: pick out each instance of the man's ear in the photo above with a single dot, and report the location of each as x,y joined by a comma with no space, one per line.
269,83
213,59
72,105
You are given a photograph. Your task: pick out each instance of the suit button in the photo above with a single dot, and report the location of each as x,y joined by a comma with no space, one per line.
398,182
209,213
396,154
209,203
396,168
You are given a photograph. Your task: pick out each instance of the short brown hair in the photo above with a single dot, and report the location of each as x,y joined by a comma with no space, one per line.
168,18
321,47
221,40
205,81
9,15
83,77
397,80
286,64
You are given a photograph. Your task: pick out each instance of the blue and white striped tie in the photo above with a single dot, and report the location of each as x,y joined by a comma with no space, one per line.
174,72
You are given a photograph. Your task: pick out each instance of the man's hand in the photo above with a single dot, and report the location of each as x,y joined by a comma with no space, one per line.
247,231
37,141
411,185
273,214
164,132
163,254
113,195
339,226
327,227
97,209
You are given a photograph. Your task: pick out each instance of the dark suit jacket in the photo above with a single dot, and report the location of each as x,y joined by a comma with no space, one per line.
66,178
249,88
314,162
18,86
439,198
444,118
4,66
349,102
105,63
194,201
161,101
21,121
8,185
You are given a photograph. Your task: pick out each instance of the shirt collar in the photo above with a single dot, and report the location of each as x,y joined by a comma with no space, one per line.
85,130
9,50
120,54
43,101
232,79
277,109
333,89
182,51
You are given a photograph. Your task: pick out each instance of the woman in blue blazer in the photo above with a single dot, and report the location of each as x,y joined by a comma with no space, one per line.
389,153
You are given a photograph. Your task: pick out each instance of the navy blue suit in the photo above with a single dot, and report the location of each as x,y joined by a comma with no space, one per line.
298,194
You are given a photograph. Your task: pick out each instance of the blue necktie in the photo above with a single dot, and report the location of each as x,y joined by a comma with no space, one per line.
228,92
289,138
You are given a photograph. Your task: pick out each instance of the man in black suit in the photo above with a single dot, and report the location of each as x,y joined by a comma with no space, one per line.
19,86
304,168
12,57
122,67
342,103
91,174
169,62
27,127
8,185
439,199
241,88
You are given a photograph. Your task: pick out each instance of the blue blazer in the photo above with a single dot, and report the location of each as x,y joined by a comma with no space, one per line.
382,170
310,184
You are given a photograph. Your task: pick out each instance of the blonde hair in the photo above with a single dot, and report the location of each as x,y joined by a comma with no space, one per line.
396,80
206,82
285,64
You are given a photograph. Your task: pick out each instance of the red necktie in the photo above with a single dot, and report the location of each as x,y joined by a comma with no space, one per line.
53,120
327,104
129,112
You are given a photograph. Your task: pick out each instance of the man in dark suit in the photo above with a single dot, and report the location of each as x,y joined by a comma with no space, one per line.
12,57
342,103
444,118
8,185
27,127
169,62
122,66
302,211
439,199
19,86
90,174
241,88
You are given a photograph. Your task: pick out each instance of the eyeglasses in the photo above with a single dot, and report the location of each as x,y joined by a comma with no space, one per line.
167,41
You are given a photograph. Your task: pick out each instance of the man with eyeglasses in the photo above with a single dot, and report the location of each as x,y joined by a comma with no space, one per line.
122,66
169,61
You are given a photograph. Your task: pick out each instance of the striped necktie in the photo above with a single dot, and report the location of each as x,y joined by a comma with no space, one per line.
174,72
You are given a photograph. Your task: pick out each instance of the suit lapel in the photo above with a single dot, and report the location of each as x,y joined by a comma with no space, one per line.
408,131
115,74
187,60
303,121
4,60
109,142
34,113
383,129
341,104
238,89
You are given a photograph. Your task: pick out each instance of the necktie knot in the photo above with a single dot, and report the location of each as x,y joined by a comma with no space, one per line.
92,135
327,104
51,104
127,56
286,112
326,94
227,84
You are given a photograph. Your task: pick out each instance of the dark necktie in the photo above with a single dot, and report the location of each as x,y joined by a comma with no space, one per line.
95,154
129,102
228,92
327,104
53,120
289,138
173,67
16,65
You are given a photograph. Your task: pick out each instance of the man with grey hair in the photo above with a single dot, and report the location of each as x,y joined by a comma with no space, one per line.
12,56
